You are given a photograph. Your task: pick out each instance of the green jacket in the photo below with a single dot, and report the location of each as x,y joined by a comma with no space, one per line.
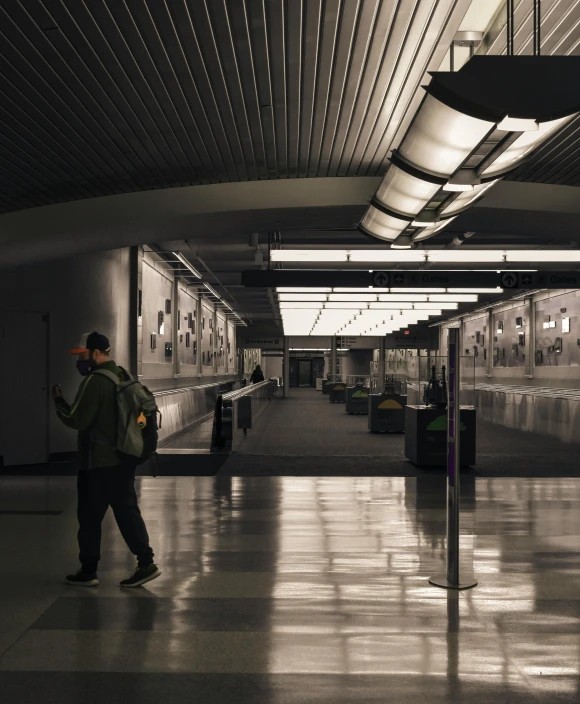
94,414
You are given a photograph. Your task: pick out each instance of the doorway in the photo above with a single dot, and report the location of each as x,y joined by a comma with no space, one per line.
304,372
24,421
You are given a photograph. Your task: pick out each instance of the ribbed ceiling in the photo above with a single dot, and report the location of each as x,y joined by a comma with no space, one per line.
99,97
558,160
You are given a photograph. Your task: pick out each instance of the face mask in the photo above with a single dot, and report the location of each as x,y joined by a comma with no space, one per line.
84,366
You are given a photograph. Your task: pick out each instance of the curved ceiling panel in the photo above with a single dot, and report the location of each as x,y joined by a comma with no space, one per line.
101,98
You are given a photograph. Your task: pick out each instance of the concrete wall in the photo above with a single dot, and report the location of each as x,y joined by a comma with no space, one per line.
507,353
204,360
79,294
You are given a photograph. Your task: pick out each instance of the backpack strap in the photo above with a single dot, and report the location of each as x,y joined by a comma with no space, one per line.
110,375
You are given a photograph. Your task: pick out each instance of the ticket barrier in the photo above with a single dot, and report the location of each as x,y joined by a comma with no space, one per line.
357,395
387,408
337,392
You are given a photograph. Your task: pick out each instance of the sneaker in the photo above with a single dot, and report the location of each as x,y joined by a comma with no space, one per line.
141,575
83,579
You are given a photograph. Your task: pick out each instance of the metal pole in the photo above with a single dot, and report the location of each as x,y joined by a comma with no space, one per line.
286,366
452,579
333,355
381,366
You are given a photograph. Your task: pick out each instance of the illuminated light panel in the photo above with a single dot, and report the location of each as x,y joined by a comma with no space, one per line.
440,138
451,256
404,193
422,290
458,187
383,226
459,256
467,197
523,145
386,256
304,289
543,255
517,124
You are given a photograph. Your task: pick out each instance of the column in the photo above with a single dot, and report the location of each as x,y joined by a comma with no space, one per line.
226,342
214,347
199,334
490,332
286,366
176,323
135,312
530,332
381,366
333,355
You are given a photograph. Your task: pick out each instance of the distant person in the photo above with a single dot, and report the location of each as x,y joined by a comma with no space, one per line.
257,375
104,479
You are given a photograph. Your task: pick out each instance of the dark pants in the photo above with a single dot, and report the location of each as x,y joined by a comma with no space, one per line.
97,490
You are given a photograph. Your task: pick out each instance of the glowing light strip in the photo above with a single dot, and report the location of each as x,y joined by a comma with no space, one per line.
455,256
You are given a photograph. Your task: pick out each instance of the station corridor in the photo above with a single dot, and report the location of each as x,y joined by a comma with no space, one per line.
287,589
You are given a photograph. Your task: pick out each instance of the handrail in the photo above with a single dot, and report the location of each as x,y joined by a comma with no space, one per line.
223,432
233,395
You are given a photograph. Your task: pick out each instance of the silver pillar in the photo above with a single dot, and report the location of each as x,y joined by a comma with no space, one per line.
175,324
199,334
452,579
333,355
286,366
530,333
489,335
381,366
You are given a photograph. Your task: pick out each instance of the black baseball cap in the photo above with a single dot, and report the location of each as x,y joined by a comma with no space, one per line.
92,341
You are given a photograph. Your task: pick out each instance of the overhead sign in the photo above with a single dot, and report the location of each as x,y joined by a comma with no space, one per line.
263,343
411,279
381,279
509,279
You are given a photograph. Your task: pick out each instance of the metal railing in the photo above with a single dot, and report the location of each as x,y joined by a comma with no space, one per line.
237,412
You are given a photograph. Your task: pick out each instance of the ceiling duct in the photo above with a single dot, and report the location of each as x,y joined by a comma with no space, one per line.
472,128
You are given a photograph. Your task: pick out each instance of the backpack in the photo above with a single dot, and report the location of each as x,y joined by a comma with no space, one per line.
138,430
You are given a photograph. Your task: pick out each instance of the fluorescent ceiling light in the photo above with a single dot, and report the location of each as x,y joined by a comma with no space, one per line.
302,289
516,124
303,297
464,199
543,255
370,289
422,290
523,145
405,193
460,256
497,289
187,264
458,187
385,256
440,138
302,305
385,227
307,255
352,297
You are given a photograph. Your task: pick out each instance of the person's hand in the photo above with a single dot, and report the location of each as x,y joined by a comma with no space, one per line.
56,392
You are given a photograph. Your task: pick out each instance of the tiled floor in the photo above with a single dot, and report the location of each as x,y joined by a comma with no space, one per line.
304,589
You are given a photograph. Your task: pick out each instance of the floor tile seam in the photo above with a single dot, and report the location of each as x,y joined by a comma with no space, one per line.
12,645
501,636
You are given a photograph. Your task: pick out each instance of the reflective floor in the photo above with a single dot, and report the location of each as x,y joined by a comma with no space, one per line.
290,590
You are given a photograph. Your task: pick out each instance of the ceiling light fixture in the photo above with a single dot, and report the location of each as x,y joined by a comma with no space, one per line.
471,129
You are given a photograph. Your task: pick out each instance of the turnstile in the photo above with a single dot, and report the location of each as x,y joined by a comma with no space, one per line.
426,436
357,399
337,392
387,413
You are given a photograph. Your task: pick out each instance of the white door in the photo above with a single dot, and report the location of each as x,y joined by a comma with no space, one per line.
24,388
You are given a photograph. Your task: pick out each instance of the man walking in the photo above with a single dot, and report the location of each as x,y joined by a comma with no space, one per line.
104,480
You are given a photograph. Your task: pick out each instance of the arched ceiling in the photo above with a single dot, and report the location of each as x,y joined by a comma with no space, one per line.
106,97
